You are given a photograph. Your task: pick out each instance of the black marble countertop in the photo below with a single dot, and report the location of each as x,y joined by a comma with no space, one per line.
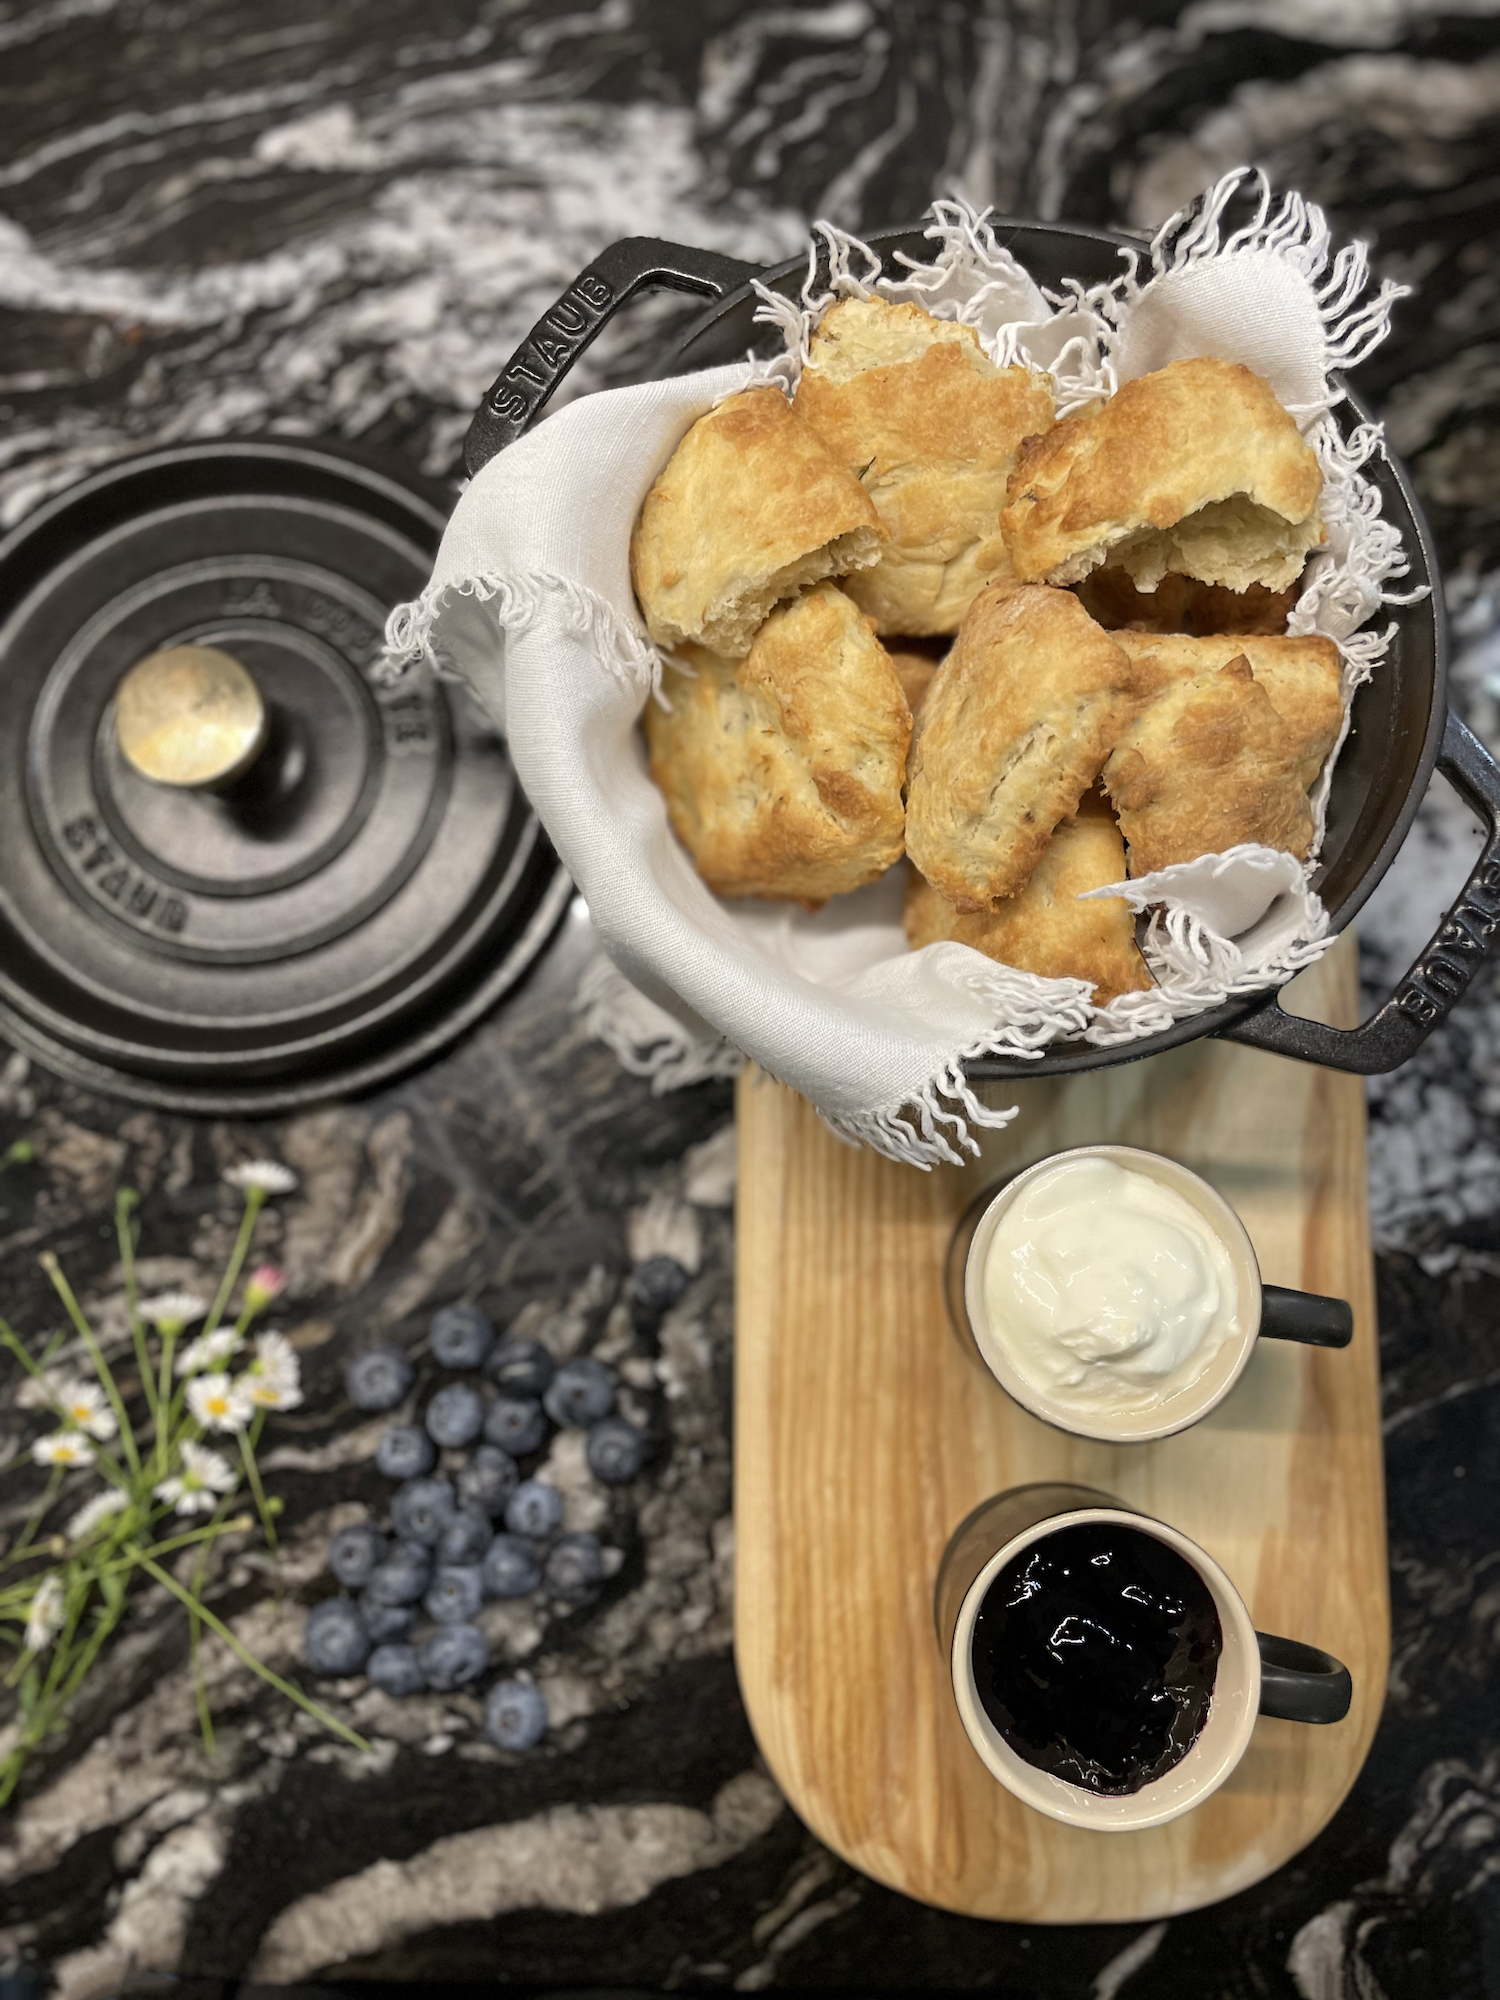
225,219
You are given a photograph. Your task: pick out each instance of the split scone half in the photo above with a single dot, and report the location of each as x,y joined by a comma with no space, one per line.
748,510
783,771
914,408
1046,929
1014,730
1226,746
1195,469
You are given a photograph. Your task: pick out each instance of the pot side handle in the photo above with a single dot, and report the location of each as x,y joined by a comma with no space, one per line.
520,391
1437,981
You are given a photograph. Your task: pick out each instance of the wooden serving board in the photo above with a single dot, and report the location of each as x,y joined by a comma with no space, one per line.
863,1435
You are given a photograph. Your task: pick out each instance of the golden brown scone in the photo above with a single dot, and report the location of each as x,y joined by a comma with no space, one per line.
1045,929
1205,764
1182,604
749,509
1301,676
1196,468
1015,728
783,771
914,407
915,672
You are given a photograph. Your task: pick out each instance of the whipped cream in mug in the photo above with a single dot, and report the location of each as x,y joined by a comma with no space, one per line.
1107,1288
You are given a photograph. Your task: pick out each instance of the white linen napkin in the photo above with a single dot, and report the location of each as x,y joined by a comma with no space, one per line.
530,603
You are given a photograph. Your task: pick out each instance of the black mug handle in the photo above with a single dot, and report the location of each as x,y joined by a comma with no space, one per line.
1301,1684
1306,1316
1438,979
519,392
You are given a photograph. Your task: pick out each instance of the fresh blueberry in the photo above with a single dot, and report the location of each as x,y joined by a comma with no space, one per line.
405,1452
456,1594
460,1336
658,1283
378,1378
518,1426
616,1450
466,1536
582,1392
575,1568
354,1552
403,1576
385,1623
510,1568
515,1715
455,1416
534,1509
489,1479
422,1509
454,1656
520,1367
335,1640
396,1670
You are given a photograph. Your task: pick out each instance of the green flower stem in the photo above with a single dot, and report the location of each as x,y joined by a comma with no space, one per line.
131,1556
200,1690
105,1461
102,1368
254,1202
195,1630
166,1402
125,1201
242,1652
63,1683
15,1599
105,1623
73,1604
252,1473
24,1547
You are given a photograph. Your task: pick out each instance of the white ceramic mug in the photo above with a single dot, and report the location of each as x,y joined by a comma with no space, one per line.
1271,1311
1257,1674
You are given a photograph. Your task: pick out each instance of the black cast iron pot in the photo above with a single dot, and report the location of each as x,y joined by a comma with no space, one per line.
1402,725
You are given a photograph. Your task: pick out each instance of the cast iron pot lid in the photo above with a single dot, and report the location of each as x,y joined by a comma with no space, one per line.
365,890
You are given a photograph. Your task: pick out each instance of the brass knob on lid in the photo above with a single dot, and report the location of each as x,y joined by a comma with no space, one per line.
190,716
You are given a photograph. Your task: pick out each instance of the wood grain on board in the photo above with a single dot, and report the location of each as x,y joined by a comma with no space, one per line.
863,1435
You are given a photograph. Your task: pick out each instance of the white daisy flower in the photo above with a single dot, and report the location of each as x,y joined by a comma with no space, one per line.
103,1507
274,1377
209,1350
47,1615
205,1475
218,1403
84,1404
63,1448
267,1175
170,1312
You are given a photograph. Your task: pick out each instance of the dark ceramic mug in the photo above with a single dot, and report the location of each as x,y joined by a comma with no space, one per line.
1257,1674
